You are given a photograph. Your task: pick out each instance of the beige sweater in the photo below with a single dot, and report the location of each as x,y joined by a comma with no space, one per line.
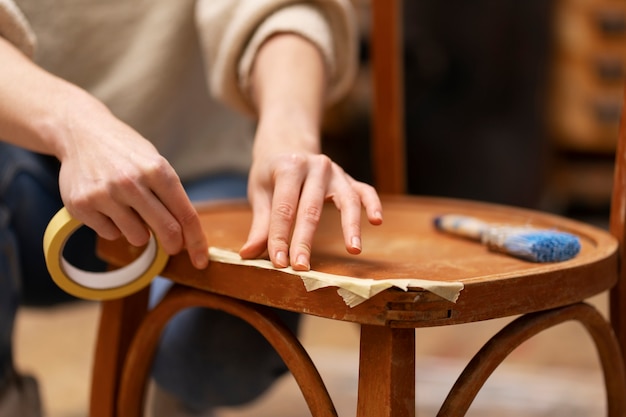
178,70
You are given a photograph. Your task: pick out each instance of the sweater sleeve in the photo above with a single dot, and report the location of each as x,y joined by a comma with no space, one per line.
15,28
232,31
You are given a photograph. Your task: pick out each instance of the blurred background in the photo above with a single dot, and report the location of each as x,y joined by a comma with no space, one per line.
505,101
508,101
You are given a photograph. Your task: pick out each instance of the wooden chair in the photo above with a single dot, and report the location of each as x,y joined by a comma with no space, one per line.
495,285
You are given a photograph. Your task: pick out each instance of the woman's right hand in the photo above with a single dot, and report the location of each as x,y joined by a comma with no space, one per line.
111,179
117,183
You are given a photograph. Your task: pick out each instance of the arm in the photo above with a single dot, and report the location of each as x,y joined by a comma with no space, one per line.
290,180
111,178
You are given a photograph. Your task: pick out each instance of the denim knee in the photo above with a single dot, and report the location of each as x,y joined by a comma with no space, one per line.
9,293
29,190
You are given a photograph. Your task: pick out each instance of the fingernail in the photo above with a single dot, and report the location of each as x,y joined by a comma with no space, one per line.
281,259
201,261
303,262
356,243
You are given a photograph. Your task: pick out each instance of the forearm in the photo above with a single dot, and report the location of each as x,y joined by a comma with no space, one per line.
34,103
288,89
111,178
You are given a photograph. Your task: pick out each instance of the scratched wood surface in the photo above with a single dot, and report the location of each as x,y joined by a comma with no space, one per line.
405,246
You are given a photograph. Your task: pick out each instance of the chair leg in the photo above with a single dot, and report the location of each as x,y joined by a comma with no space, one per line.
386,372
515,333
119,319
618,314
141,353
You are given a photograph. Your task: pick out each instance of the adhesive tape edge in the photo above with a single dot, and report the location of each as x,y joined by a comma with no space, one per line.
59,229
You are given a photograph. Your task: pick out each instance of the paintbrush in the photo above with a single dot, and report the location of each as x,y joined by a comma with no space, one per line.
525,242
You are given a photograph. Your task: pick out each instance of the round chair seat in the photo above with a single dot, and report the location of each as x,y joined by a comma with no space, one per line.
406,245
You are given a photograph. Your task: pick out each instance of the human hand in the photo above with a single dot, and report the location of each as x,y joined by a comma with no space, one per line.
290,179
111,179
115,181
287,192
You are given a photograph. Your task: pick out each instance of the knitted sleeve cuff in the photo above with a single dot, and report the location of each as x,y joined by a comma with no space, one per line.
233,35
15,28
303,20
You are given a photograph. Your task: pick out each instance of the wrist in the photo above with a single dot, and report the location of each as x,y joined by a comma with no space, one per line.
288,75
288,86
60,124
286,130
37,108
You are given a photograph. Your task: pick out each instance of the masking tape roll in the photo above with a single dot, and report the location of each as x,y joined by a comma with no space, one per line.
97,285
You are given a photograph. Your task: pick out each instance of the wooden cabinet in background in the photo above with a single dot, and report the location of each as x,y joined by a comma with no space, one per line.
588,72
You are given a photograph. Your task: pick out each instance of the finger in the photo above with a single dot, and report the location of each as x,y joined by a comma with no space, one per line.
256,243
309,213
348,202
177,221
129,223
161,202
193,235
108,218
288,183
350,206
370,200
101,224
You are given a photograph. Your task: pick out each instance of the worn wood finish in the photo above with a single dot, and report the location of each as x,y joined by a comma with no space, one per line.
496,350
138,362
386,372
388,145
405,246
496,285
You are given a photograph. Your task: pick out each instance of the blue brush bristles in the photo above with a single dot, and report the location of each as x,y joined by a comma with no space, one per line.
537,245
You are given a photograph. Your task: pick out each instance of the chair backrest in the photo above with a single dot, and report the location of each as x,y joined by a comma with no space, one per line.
618,225
388,151
388,139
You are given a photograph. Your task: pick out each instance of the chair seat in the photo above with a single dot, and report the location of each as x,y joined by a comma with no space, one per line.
405,246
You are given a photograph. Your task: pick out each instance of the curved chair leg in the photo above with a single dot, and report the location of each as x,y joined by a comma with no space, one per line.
137,367
523,328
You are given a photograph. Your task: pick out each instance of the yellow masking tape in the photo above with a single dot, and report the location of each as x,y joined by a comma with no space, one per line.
97,285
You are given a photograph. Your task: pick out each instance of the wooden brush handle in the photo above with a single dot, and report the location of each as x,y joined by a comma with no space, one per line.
464,226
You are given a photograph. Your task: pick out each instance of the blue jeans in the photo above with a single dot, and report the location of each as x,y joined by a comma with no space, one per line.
206,358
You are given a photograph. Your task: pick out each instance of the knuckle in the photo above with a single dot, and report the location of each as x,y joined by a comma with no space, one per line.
348,199
77,204
156,168
188,217
353,199
81,203
312,214
171,232
290,163
364,188
160,168
303,247
277,243
324,162
284,211
139,237
123,185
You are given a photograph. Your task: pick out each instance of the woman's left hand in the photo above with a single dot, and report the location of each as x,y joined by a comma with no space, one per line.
290,180
287,191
